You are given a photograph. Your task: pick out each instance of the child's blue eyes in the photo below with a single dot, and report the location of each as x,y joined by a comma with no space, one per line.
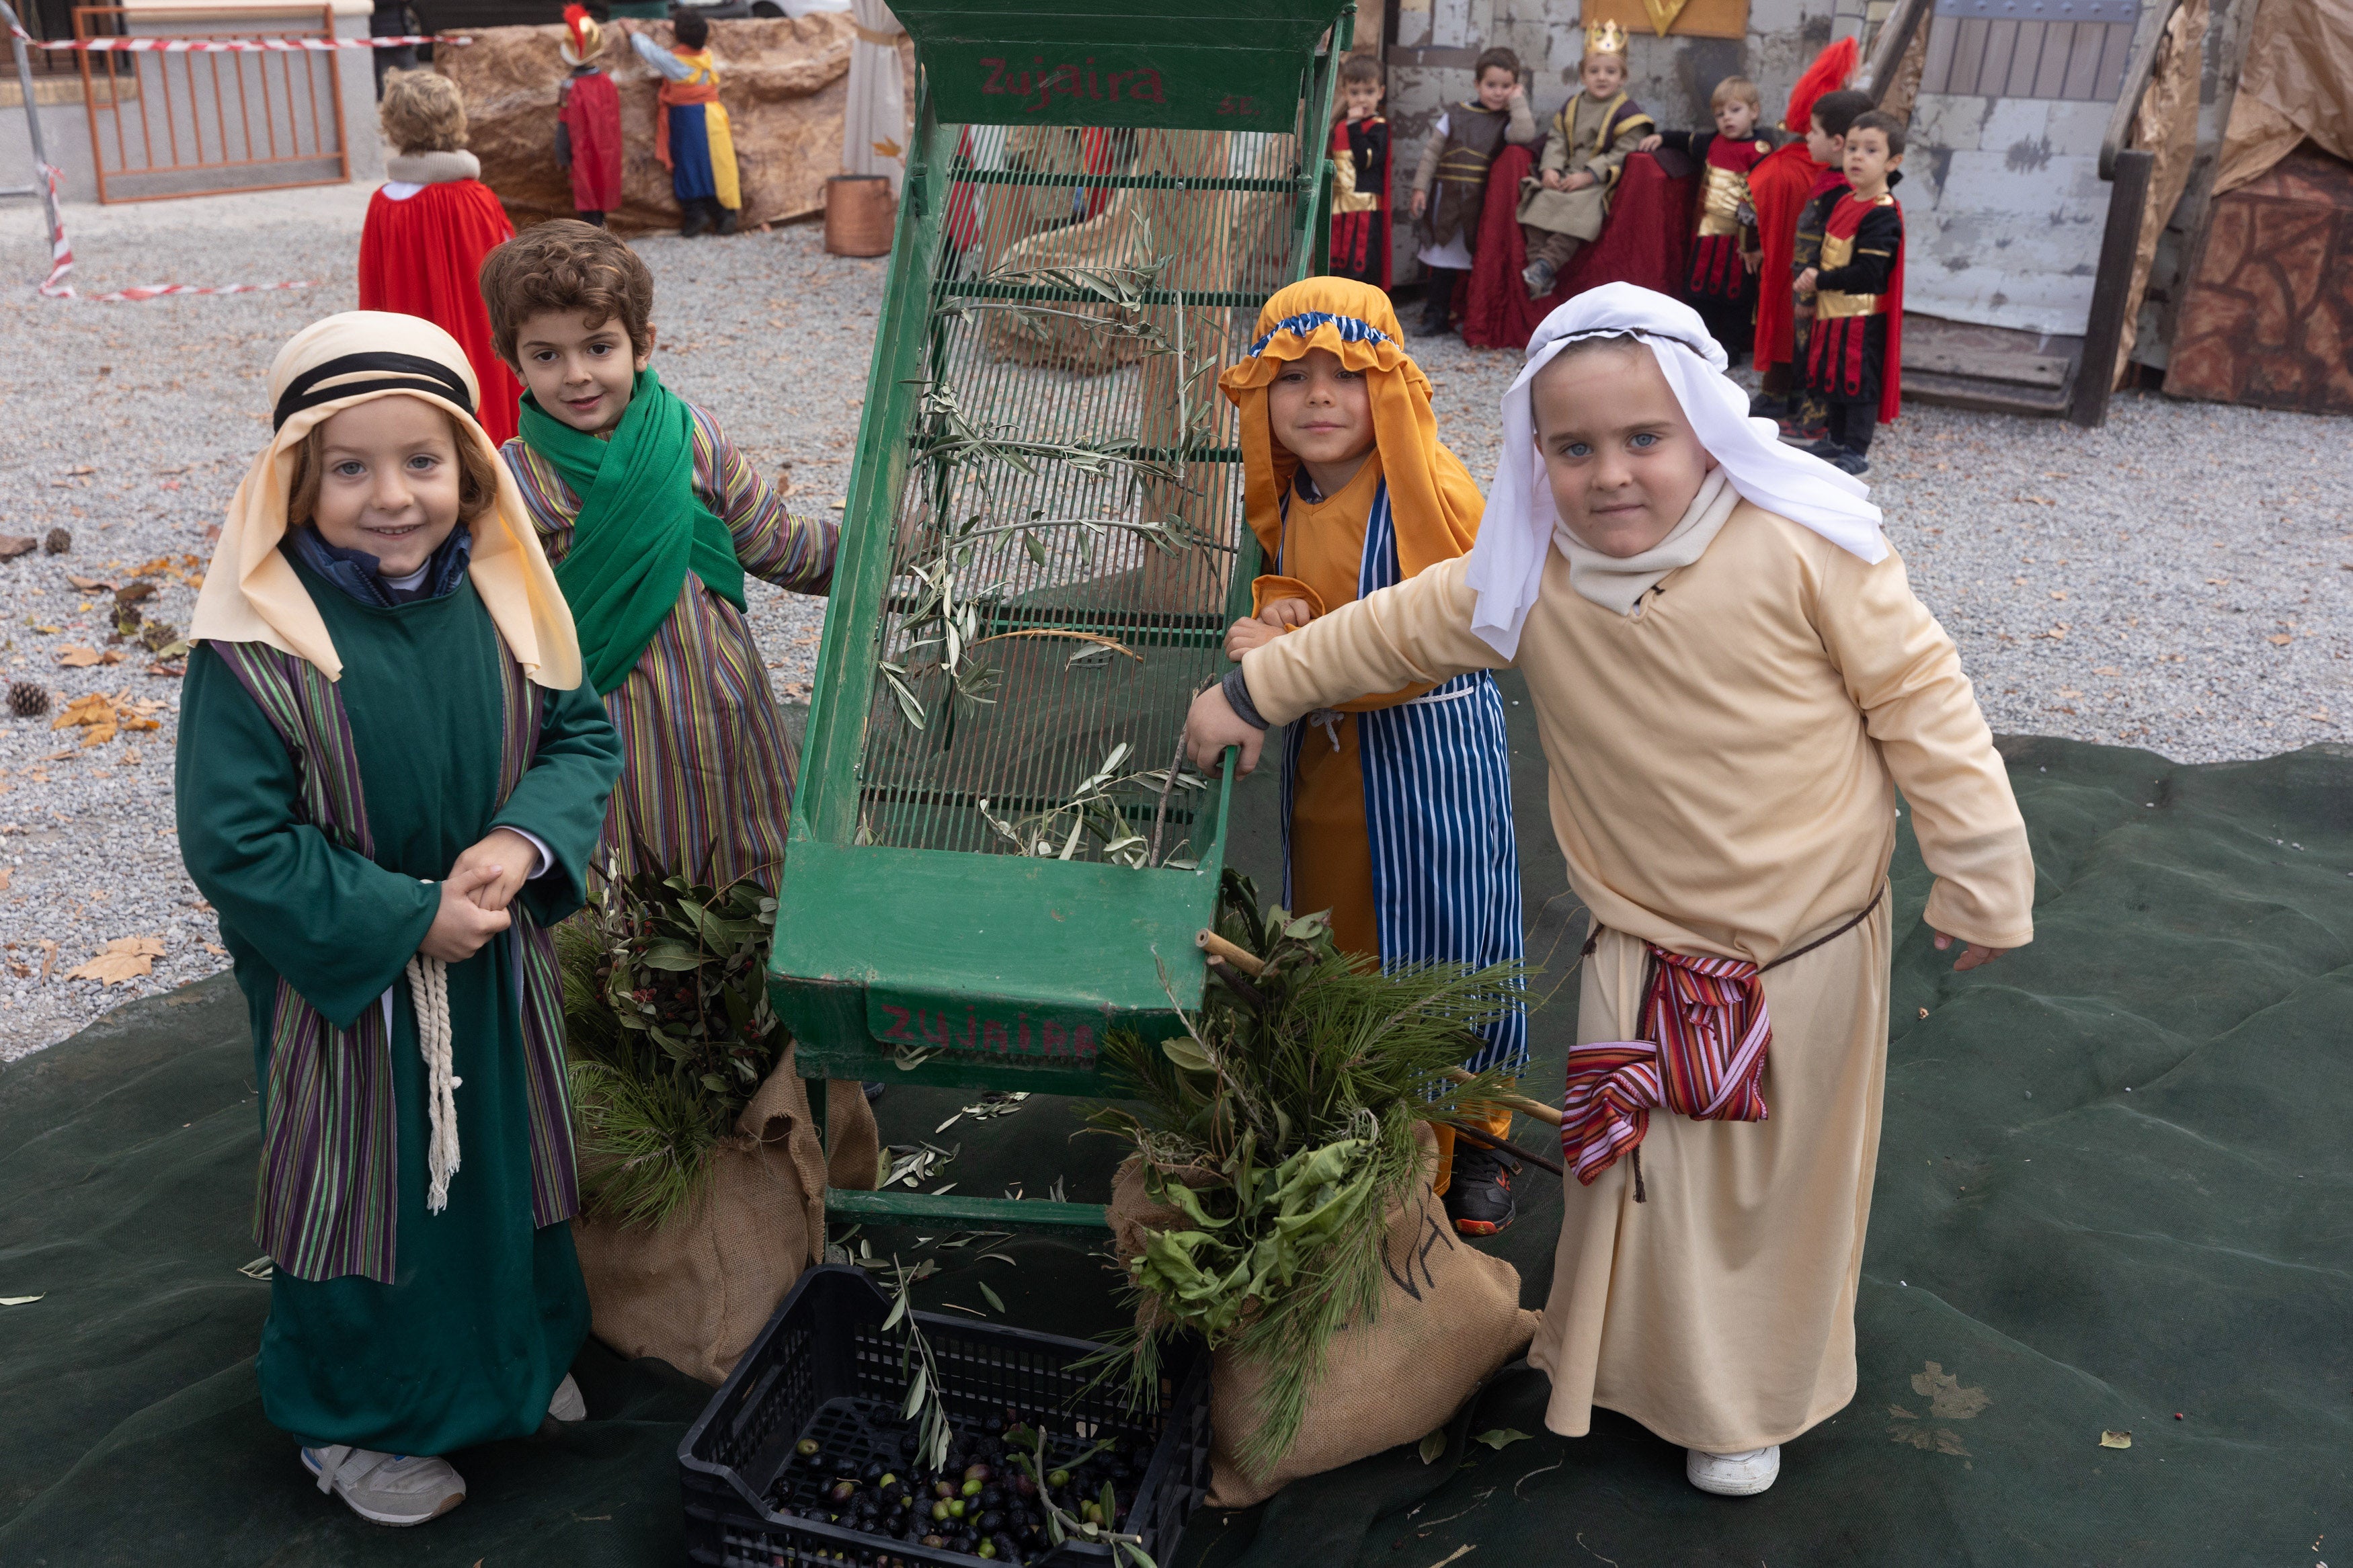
1645,441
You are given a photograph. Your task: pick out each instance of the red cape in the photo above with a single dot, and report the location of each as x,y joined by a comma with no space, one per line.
1780,185
592,115
423,257
1647,241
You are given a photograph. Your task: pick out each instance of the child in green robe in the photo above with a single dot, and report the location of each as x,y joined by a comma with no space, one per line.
390,782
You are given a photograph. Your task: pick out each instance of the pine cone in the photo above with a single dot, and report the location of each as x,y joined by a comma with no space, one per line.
57,543
26,700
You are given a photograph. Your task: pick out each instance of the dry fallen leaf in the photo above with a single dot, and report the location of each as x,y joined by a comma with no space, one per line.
2279,640
14,544
7,874
1947,1400
125,959
2114,1439
90,584
48,956
74,656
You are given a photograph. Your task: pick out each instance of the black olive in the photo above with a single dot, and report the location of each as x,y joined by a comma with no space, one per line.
992,1497
874,1471
992,1521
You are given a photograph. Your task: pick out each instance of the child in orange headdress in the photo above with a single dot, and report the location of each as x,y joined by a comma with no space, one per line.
1397,809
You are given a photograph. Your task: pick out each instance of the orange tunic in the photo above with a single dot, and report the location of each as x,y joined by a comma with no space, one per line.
1331,854
1331,851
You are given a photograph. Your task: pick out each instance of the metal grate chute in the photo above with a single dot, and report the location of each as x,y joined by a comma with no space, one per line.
995,859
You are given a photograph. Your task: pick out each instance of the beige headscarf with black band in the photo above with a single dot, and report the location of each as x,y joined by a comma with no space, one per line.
251,592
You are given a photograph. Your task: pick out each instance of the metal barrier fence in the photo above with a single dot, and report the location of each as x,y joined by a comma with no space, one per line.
168,123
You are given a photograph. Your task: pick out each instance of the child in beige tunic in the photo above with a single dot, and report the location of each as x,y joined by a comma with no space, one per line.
1731,678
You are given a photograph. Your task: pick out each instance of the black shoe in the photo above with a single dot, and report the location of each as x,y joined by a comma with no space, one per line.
1438,304
872,1089
1774,409
1479,1192
1851,462
730,219
697,220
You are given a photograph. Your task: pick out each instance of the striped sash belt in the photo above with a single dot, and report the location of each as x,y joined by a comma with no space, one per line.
1704,1034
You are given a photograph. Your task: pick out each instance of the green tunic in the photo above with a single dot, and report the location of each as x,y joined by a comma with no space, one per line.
486,1311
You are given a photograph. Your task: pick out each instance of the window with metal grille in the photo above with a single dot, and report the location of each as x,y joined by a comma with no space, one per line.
2029,49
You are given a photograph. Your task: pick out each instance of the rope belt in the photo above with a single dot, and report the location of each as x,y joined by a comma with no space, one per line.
428,989
1704,1031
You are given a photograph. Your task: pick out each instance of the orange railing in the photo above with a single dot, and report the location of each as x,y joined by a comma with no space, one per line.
166,123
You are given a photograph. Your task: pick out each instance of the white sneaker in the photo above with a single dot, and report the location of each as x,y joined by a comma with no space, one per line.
386,1489
567,1404
1734,1475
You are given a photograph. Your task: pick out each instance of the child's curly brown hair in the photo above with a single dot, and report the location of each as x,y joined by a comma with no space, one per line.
422,111
567,265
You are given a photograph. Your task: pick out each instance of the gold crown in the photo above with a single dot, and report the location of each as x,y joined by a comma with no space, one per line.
1605,39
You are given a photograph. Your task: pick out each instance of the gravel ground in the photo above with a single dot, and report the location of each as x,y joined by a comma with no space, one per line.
2174,580
2170,582
161,406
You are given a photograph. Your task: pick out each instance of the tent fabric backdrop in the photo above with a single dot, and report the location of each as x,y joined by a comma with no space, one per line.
2113,1185
876,117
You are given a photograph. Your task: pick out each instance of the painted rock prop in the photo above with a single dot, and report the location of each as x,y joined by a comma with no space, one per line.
784,83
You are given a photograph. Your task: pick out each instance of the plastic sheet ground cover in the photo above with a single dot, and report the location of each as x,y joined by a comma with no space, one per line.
2114,1185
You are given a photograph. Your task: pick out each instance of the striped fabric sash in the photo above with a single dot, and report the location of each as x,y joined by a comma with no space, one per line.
328,1190
1703,1036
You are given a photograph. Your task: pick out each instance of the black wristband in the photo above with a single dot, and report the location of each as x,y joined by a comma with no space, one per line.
1238,696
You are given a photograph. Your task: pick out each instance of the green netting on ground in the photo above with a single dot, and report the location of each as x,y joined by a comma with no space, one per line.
2116,1185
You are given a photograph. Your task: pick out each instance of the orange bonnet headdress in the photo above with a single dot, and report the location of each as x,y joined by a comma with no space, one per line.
1434,507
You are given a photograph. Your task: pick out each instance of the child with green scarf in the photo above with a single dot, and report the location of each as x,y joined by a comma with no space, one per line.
653,518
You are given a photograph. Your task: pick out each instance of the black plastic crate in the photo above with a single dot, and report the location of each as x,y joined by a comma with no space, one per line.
824,1368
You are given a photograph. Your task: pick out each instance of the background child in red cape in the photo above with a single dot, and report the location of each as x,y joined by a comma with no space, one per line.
1857,289
429,227
588,127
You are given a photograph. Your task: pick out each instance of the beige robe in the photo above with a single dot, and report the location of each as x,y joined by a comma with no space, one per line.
1575,146
1722,772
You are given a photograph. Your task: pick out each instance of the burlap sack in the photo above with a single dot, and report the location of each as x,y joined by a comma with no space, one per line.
1450,1315
694,1290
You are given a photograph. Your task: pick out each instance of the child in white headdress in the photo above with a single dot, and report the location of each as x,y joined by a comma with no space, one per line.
1732,678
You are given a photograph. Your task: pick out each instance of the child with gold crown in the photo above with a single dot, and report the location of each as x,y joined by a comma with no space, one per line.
1564,202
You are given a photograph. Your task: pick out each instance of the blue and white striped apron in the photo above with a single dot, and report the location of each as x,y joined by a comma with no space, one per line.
1438,809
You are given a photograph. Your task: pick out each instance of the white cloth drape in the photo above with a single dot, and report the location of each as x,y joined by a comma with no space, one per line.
874,125
1507,563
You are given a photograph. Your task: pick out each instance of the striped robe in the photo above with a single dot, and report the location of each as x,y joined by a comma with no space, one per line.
708,768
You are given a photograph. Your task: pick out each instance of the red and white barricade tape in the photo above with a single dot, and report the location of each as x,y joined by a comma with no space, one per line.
61,262
225,45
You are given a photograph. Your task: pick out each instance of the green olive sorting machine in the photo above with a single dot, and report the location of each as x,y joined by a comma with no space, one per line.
995,856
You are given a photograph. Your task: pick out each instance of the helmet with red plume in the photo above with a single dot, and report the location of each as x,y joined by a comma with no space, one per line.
1831,69
585,41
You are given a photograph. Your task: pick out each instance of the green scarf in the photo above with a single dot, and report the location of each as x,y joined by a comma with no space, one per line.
642,526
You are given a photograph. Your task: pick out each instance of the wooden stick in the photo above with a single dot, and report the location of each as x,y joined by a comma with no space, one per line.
1487,1140
1519,1102
1210,942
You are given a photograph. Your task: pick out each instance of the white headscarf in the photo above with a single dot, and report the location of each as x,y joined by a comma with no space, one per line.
1507,563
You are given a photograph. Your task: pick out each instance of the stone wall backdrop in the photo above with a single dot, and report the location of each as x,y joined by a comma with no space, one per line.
784,84
1429,66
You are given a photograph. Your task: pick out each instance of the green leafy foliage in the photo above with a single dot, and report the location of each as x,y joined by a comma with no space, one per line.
1281,1130
668,1030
